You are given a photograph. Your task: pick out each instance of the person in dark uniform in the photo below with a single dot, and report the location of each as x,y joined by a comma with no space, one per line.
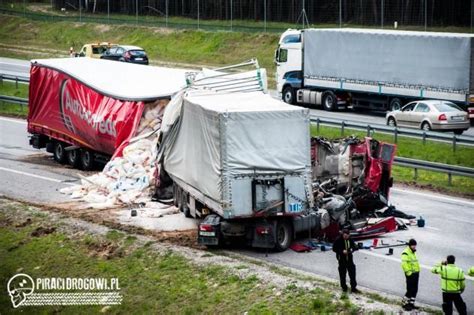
344,247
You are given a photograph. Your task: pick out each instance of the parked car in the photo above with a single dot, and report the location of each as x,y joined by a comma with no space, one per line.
430,115
94,50
132,54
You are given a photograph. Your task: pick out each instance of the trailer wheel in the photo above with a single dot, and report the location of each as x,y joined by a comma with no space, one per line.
175,195
74,158
59,152
329,101
87,160
284,236
289,95
395,104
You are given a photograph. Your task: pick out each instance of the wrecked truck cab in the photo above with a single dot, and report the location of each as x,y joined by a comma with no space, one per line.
351,181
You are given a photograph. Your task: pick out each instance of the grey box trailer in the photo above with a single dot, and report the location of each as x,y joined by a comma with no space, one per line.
246,158
386,67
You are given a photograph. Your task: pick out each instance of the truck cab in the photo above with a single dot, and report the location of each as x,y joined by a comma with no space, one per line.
288,65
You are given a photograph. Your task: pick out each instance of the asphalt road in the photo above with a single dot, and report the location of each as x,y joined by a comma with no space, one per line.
21,68
32,175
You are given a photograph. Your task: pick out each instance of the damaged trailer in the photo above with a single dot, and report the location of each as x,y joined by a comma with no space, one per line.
242,161
85,110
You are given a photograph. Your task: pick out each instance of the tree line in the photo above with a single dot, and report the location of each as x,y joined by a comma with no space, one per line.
363,12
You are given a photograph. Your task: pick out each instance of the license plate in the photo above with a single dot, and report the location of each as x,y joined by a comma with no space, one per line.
139,59
207,233
457,118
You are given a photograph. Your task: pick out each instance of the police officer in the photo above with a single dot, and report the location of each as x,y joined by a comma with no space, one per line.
344,246
411,268
453,284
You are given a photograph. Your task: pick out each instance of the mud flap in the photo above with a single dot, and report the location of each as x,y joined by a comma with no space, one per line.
264,235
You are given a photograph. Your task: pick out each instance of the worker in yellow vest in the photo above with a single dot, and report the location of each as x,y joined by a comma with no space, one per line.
411,268
452,284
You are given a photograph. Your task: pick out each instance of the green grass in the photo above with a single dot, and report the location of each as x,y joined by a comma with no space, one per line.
185,46
10,89
415,149
150,282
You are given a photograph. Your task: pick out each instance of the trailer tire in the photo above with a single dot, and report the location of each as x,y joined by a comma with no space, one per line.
395,104
87,160
74,158
175,195
283,235
329,101
288,95
59,152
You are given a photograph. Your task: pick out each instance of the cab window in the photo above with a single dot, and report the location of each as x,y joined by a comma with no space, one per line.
283,55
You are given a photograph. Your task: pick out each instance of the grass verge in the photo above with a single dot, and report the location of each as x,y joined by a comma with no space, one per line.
172,45
10,109
414,148
150,281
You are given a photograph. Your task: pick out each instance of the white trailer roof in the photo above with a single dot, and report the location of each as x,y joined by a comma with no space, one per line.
120,80
239,102
394,32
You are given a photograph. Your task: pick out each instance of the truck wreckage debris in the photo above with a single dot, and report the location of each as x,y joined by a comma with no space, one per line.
226,152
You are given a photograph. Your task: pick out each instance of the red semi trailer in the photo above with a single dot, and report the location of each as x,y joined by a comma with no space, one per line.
82,110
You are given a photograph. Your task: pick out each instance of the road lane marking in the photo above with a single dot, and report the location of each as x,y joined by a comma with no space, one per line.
36,176
17,121
426,267
467,202
432,228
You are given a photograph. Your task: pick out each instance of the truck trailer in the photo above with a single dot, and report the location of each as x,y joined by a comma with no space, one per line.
245,163
83,110
374,69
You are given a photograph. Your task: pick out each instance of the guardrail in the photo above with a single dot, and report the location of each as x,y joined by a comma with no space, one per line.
434,167
14,78
13,99
414,133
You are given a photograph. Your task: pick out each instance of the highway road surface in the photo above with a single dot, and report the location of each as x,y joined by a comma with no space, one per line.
21,68
32,175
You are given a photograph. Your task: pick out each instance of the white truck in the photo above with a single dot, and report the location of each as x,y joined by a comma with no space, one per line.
374,69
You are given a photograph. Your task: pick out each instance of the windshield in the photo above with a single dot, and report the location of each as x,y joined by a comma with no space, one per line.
447,107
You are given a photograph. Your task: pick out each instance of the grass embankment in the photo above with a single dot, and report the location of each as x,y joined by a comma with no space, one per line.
10,89
415,149
34,243
168,45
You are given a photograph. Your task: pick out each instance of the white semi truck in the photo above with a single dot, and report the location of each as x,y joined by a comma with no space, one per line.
374,69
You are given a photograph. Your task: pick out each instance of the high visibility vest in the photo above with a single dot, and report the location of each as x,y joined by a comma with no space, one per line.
452,278
410,262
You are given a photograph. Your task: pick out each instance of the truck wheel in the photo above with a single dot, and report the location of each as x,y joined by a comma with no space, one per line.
329,101
284,236
289,95
74,158
395,104
175,195
59,152
87,160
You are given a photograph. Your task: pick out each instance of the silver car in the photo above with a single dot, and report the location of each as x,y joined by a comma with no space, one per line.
430,115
